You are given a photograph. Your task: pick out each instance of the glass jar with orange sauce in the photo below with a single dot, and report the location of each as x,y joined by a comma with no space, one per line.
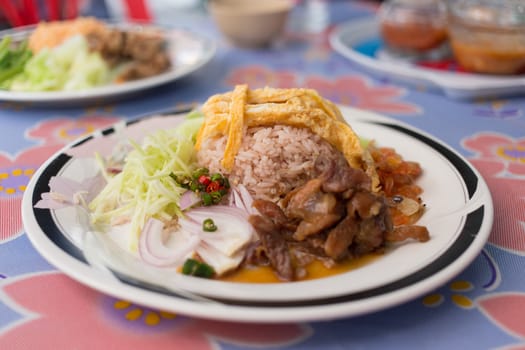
488,36
413,26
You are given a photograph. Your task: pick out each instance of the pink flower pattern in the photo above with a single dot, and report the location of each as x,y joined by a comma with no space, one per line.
65,130
358,91
352,90
14,177
257,76
506,310
65,311
501,161
506,150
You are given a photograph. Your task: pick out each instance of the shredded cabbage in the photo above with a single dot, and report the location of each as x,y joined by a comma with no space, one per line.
69,66
144,188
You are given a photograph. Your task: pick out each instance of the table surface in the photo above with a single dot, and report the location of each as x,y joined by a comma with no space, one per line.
482,308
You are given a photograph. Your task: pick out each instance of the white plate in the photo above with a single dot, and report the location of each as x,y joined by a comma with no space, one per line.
459,223
188,52
359,41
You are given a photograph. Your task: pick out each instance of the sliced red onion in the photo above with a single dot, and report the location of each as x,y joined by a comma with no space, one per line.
93,186
235,199
64,192
188,200
64,186
233,232
52,200
190,225
217,209
152,248
220,262
231,198
241,198
228,242
247,199
233,229
222,248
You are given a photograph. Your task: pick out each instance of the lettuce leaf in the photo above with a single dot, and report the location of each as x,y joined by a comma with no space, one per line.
70,66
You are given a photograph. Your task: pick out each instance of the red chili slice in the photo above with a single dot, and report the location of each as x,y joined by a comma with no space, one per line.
204,180
213,186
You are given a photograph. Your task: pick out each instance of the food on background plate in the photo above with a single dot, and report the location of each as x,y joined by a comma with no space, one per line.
84,53
258,179
70,66
12,60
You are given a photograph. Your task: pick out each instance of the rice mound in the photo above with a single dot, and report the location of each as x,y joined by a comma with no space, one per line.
271,161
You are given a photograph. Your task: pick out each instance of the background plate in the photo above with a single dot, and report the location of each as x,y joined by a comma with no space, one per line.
459,223
359,41
188,51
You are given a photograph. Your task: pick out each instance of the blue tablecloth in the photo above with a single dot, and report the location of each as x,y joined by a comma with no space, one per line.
482,308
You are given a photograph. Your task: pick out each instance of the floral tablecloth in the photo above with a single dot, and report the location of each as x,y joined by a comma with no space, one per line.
482,308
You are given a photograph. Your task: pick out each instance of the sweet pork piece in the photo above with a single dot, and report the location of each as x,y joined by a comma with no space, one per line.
348,221
371,212
142,46
337,176
341,237
275,246
316,209
144,54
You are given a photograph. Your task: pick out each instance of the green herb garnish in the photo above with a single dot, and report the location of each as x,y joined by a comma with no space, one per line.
196,268
211,188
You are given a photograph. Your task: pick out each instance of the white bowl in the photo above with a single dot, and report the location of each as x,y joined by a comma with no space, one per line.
249,23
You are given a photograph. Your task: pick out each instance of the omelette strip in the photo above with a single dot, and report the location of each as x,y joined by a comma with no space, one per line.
233,144
309,98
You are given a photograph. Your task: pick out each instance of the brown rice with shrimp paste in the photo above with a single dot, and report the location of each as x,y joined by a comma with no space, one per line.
272,160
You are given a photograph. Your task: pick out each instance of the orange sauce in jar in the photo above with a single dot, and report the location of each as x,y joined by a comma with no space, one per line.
414,36
316,269
489,59
488,37
413,26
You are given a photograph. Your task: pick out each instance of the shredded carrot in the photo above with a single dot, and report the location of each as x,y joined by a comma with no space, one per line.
52,34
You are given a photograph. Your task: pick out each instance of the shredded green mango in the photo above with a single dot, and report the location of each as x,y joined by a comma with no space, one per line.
144,188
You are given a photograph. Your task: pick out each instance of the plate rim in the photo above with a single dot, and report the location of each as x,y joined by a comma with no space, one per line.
112,90
459,86
255,312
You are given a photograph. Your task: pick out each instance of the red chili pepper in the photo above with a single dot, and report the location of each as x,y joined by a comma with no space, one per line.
213,186
204,180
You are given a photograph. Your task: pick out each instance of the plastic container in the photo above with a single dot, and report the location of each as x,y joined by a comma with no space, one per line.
488,36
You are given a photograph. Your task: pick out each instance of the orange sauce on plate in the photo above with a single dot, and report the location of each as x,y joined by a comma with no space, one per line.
316,269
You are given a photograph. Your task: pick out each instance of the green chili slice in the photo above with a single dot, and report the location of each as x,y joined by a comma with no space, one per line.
209,226
196,268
